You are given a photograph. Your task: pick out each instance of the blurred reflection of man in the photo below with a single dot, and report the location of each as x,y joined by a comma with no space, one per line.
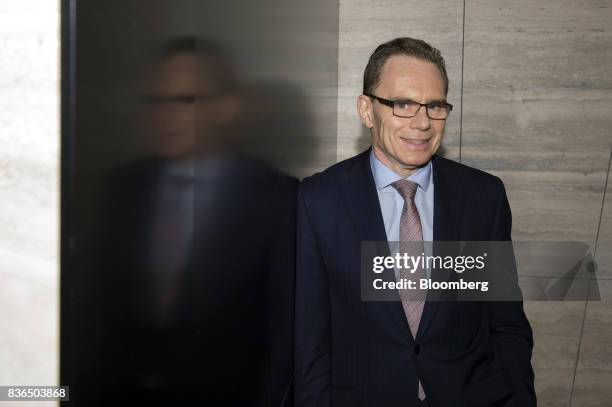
408,352
199,250
191,104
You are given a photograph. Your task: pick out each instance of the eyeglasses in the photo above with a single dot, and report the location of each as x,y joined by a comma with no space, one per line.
438,110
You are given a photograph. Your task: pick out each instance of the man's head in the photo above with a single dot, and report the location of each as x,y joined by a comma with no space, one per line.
191,96
410,70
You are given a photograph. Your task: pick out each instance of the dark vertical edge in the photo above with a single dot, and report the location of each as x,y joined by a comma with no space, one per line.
584,311
603,203
586,302
67,139
337,31
462,78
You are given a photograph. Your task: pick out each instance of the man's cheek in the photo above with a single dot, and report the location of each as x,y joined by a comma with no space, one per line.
383,130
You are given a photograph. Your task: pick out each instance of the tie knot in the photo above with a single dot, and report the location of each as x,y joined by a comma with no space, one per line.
407,189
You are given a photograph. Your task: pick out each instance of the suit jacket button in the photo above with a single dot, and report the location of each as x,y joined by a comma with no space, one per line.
417,349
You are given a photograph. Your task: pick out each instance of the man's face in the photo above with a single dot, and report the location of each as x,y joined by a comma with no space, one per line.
171,108
186,107
404,144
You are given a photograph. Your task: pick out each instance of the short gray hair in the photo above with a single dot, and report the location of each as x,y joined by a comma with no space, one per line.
401,46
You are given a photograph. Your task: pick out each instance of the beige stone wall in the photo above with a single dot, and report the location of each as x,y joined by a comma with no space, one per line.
532,90
29,193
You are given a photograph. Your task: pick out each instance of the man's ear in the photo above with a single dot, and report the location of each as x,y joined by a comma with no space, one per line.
364,108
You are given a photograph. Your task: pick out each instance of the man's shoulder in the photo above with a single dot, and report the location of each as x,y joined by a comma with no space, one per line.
336,175
468,180
460,172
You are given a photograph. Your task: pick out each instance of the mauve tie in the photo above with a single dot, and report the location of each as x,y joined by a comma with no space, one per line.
411,231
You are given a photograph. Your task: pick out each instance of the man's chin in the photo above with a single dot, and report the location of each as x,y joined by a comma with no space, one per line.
416,160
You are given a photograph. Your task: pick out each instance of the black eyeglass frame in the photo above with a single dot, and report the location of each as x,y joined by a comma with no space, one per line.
391,104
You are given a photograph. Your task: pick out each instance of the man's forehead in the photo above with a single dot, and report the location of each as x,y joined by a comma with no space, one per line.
402,73
182,72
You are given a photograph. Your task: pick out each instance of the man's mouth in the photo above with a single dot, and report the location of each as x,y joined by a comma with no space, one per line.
417,144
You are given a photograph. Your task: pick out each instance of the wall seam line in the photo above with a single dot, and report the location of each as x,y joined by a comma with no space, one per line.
462,78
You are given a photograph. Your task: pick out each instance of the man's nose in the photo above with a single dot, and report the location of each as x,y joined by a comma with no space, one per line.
421,121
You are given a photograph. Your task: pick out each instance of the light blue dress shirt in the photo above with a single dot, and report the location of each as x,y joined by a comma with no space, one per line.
392,203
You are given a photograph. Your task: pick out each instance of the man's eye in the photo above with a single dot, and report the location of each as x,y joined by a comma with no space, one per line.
435,108
404,105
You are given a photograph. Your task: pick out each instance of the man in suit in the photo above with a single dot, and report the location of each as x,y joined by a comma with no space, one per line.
184,291
402,353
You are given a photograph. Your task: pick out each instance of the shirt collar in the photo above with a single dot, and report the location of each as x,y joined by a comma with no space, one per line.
384,176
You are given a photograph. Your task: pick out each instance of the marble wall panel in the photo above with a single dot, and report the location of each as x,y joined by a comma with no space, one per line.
536,109
536,112
29,191
554,194
534,76
553,362
28,313
603,253
594,369
363,26
556,331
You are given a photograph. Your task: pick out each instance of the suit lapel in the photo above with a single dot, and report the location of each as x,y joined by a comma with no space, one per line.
360,196
447,216
447,202
359,192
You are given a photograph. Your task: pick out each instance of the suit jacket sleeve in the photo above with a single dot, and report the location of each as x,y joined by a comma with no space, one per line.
312,324
510,330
